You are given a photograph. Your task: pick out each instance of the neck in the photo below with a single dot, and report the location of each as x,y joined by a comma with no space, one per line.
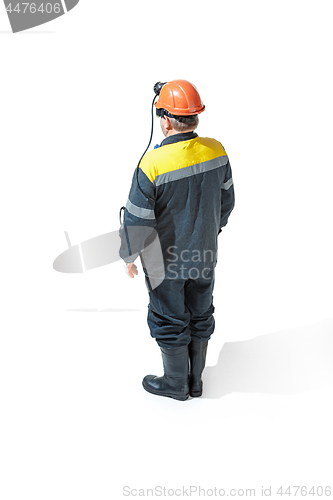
174,132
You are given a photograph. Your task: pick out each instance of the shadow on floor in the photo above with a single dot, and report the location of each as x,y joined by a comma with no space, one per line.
288,362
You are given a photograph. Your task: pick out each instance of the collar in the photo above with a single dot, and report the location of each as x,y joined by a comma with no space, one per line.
185,136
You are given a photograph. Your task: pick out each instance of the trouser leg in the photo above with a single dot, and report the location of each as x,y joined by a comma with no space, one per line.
199,302
168,316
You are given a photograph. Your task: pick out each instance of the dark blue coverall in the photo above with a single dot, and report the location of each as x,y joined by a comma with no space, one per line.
189,181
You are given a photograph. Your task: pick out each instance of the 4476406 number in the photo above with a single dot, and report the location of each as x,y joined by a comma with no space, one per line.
303,491
33,8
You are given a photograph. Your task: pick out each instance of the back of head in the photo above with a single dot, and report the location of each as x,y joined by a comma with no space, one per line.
181,102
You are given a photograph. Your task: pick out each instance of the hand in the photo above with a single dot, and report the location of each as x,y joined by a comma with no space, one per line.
131,269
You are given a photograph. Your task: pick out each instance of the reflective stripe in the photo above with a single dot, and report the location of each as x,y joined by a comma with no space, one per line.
199,168
228,184
143,213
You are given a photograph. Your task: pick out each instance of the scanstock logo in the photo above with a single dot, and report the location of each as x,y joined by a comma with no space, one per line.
104,249
25,15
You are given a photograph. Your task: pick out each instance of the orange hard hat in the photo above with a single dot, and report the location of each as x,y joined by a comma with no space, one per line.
180,98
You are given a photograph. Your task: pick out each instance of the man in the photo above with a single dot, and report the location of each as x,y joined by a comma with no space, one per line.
184,191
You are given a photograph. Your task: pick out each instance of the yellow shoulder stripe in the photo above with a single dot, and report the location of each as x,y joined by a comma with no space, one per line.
180,155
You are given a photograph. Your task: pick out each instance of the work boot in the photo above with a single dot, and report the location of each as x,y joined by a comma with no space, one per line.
174,382
197,351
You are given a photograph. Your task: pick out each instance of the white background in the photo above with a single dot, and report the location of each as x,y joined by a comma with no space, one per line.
75,118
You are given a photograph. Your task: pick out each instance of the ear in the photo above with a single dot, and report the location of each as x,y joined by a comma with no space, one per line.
167,123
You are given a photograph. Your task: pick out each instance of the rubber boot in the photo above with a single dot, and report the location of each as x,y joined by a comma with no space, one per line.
197,351
174,382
